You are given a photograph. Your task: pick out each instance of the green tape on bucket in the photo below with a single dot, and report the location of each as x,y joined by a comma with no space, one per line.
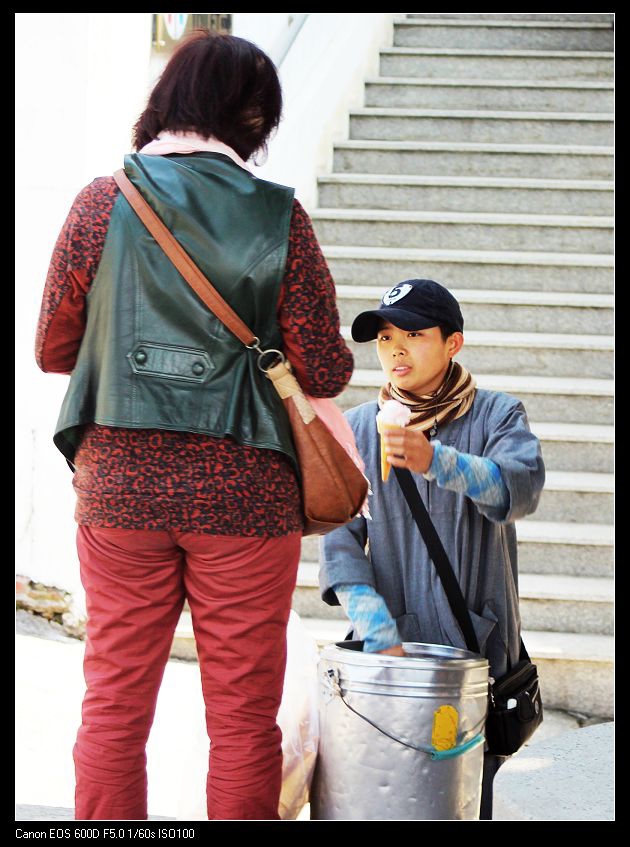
457,751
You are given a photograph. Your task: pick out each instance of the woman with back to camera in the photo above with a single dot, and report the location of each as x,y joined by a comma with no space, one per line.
183,462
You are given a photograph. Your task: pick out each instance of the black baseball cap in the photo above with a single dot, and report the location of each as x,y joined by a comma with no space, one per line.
412,304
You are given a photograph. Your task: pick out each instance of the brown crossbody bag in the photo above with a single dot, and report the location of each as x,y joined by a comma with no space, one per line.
333,488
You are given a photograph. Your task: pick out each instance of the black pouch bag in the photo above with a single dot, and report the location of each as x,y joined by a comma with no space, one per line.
515,707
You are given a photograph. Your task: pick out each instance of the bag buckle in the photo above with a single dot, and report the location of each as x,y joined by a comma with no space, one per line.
277,356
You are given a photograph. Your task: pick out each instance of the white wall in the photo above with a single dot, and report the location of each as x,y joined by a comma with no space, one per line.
273,32
81,82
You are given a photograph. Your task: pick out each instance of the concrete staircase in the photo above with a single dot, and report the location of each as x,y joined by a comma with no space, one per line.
483,159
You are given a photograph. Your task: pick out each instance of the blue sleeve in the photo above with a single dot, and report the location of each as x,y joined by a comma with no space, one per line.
516,451
370,616
343,559
475,476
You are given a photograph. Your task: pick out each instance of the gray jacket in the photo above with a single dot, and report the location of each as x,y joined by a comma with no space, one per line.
389,554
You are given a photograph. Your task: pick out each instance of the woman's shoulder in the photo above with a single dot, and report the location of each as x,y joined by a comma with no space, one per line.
301,224
98,196
90,215
103,185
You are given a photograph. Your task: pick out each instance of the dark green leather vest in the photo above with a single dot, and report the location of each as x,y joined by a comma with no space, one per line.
152,355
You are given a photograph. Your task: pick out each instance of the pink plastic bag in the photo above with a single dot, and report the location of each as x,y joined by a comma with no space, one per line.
298,719
335,421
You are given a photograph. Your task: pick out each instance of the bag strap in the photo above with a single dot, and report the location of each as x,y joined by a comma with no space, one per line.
200,284
438,555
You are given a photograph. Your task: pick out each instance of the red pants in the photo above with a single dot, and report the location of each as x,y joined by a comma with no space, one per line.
239,591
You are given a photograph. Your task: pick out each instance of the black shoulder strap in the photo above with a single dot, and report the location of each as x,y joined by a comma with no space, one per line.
438,555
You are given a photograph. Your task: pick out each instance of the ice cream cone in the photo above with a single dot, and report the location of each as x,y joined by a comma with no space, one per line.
393,415
385,465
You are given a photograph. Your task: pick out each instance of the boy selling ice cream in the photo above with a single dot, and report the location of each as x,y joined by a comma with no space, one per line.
478,469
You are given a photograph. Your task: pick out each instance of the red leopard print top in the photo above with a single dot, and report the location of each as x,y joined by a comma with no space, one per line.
158,479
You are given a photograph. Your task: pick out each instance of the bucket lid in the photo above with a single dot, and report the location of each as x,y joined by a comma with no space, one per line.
427,670
351,652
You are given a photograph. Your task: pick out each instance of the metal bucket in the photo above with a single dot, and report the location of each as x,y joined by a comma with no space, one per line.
401,738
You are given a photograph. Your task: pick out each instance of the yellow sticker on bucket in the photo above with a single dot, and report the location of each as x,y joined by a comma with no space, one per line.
444,735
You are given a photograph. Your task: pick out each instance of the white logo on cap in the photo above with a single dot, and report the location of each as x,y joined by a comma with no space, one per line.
396,293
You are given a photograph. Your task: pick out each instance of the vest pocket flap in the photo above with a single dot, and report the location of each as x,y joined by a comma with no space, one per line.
170,362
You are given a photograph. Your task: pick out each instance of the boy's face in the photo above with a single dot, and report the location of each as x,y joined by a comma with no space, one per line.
416,360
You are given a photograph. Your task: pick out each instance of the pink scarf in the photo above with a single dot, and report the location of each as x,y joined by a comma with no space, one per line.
189,142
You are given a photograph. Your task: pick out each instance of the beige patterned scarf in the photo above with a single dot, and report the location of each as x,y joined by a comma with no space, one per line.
451,400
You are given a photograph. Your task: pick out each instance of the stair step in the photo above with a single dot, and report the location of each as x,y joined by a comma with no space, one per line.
587,17
491,297
566,603
574,549
578,497
576,447
470,125
582,388
475,194
531,586
565,588
487,269
444,158
576,670
308,604
307,575
457,230
436,62
525,311
534,35
501,22
511,95
486,218
326,630
518,352
184,646
581,481
573,433
546,398
548,602
543,586
541,532
571,646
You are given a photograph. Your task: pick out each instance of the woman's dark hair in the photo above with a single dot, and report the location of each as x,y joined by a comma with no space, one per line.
215,84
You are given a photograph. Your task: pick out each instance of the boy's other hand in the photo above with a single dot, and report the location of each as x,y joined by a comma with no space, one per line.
396,650
412,445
